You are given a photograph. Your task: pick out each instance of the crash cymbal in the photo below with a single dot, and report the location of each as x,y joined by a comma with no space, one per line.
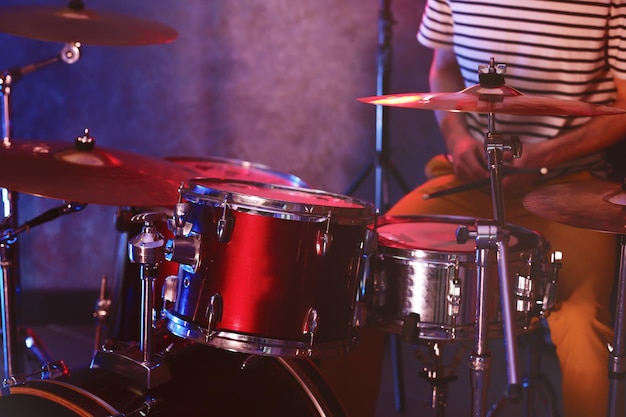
503,99
70,172
596,205
76,23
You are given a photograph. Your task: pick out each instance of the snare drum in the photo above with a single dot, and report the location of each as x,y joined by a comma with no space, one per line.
419,268
278,268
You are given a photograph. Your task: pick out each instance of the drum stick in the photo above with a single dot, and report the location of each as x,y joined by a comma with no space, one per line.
486,181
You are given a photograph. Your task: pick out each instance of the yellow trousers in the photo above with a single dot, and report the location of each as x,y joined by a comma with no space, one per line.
580,322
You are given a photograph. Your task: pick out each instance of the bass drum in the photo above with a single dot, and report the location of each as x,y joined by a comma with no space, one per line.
205,382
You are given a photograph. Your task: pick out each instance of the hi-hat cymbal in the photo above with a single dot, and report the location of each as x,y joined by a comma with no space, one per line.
503,99
96,176
596,205
73,24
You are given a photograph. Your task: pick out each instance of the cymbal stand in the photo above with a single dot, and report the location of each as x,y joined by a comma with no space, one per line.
10,277
489,236
8,238
617,355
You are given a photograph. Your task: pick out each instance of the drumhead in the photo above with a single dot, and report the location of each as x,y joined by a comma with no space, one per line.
234,169
438,234
276,200
205,381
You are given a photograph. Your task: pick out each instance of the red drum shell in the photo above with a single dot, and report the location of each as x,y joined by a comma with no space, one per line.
269,275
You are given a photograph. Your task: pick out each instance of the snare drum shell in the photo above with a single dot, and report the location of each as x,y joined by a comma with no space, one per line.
270,277
438,281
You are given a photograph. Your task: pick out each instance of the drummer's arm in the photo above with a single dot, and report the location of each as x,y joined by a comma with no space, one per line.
466,152
597,134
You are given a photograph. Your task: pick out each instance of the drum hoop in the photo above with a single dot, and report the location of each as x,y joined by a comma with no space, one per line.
249,203
526,238
306,384
63,401
243,343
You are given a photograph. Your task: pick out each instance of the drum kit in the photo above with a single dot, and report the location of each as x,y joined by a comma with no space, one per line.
243,274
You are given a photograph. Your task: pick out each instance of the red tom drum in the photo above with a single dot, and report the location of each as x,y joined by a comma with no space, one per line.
278,268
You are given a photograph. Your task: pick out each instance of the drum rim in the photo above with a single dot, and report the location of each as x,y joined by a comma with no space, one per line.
34,388
257,345
197,192
528,239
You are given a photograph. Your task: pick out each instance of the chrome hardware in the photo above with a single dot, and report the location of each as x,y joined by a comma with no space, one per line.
324,239
225,224
214,311
170,289
311,321
177,224
48,371
146,247
184,250
454,296
549,297
524,291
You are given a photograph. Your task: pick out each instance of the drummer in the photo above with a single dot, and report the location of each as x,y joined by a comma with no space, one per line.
572,52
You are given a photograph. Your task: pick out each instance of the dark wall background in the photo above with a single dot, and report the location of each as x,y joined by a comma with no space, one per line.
273,82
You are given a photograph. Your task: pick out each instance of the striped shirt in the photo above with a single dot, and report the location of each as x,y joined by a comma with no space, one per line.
566,49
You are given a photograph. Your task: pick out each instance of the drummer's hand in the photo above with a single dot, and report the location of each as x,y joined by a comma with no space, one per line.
468,159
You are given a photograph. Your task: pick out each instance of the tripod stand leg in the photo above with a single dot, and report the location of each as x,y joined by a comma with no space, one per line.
359,180
617,365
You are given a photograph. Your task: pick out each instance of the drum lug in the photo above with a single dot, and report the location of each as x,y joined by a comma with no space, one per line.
524,292
177,224
225,224
170,289
214,311
410,328
324,239
454,296
184,250
549,297
311,321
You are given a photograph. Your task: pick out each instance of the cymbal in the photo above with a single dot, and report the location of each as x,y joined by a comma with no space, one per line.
596,205
63,171
67,24
503,99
